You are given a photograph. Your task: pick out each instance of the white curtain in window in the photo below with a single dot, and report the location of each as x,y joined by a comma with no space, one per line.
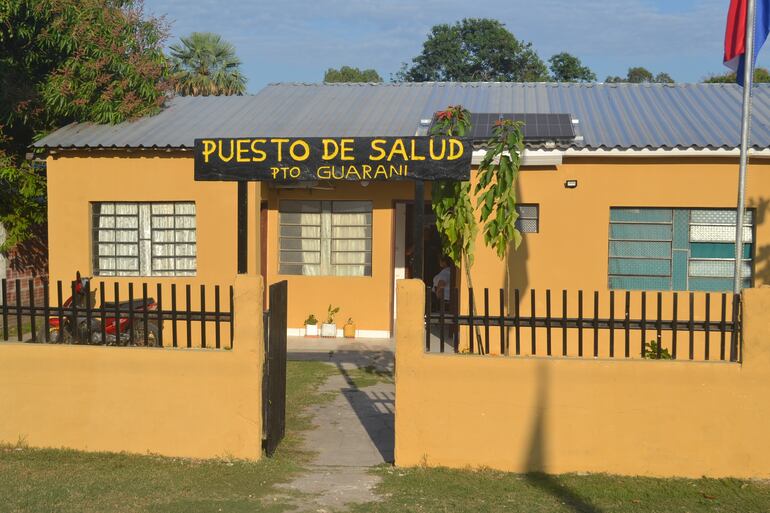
351,234
311,243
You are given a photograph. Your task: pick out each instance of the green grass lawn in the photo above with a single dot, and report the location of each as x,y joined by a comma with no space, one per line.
63,481
486,491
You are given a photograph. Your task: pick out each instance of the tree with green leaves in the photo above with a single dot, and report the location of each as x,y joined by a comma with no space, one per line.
455,204
350,74
474,49
565,67
206,65
641,75
64,61
761,75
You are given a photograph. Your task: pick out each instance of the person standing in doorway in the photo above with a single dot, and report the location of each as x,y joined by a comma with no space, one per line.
442,281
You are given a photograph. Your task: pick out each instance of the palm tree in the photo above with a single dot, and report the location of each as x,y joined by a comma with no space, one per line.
206,65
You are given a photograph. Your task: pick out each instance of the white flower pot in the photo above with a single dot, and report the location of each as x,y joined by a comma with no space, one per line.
311,330
328,330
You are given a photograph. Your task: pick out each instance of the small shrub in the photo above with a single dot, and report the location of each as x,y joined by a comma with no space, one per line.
651,351
330,313
311,320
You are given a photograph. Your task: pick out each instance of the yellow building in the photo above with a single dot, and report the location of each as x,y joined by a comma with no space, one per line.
638,194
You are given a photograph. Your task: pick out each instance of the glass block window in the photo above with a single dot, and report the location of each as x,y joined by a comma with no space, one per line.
144,239
675,249
325,238
712,249
529,218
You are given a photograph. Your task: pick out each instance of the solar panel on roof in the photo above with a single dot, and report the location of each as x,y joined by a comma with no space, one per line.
537,127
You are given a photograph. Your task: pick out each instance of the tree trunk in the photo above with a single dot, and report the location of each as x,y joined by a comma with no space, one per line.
470,287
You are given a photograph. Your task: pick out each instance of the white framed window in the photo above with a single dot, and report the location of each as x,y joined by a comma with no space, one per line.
325,238
144,238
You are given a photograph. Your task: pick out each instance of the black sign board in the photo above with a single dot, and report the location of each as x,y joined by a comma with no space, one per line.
287,160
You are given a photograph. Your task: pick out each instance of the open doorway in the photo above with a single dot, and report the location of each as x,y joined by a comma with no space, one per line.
404,246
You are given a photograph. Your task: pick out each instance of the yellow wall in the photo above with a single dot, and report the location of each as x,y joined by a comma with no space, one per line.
76,179
632,417
174,402
367,299
569,252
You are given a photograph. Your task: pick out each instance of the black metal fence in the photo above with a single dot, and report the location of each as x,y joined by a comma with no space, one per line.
111,314
626,325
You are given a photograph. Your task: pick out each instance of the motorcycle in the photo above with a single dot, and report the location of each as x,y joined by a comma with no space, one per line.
74,327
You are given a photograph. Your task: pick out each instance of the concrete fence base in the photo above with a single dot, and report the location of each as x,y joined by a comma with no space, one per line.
174,402
557,415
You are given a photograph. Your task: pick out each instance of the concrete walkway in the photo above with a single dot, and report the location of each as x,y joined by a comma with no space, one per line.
353,432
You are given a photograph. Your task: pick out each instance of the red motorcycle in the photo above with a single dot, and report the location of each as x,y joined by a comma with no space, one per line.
74,328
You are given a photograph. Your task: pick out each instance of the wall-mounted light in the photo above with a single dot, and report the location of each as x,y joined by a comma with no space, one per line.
364,183
570,184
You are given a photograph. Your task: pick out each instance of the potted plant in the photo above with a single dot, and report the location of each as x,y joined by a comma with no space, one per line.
328,328
311,326
349,329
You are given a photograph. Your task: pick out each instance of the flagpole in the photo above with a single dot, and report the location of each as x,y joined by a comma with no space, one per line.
748,72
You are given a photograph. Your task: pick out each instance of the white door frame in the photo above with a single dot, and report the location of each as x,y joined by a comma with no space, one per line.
399,249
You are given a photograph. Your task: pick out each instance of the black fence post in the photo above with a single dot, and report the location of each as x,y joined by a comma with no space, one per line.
188,315
159,293
441,323
232,318
46,311
470,320
19,326
60,311
203,316
644,323
486,320
89,306
131,337
723,328
173,316
580,323
217,317
116,324
517,320
564,311
736,331
691,326
534,321
32,317
658,326
103,313
4,287
612,324
427,317
145,312
627,324
503,331
708,326
455,300
596,323
74,325
674,326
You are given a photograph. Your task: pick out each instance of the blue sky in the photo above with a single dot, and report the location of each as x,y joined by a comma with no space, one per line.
297,40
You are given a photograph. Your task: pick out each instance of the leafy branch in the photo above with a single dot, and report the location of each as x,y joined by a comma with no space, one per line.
496,187
494,195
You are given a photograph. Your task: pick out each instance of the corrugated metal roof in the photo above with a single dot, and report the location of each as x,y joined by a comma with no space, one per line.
610,116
